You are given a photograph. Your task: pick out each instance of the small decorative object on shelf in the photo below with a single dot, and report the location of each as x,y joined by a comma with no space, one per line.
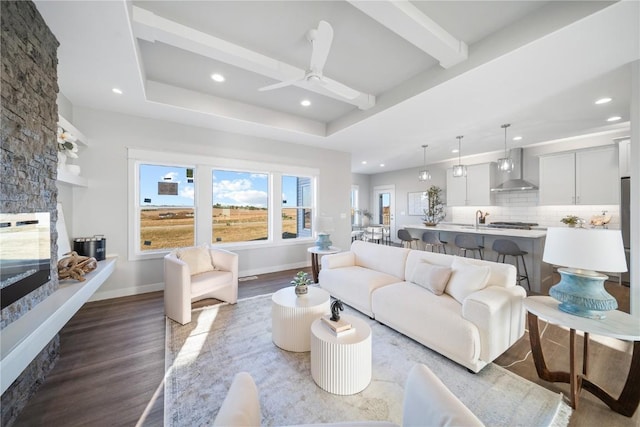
336,308
301,281
67,143
572,220
600,220
75,266
435,208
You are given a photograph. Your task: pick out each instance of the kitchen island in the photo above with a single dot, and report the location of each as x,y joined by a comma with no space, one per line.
532,241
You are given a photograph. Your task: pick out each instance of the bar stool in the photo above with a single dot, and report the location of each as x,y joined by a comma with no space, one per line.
407,238
466,242
506,247
432,238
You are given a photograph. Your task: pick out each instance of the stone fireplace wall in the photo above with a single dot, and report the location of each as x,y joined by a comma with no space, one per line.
29,115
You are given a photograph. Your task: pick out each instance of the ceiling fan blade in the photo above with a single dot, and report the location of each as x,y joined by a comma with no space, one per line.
321,40
278,85
340,89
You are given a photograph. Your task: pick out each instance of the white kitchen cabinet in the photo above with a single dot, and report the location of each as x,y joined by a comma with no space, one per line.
624,157
585,177
474,189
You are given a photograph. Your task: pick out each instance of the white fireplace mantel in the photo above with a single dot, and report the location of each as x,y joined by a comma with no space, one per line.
21,341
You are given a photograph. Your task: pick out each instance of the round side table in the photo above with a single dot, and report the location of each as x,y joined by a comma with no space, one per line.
292,315
341,364
315,265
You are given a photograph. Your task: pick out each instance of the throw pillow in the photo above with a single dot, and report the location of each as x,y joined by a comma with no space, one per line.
197,258
466,278
431,277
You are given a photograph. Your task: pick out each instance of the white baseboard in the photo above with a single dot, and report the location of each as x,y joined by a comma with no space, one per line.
153,287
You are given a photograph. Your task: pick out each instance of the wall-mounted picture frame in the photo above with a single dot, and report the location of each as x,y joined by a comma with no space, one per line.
417,203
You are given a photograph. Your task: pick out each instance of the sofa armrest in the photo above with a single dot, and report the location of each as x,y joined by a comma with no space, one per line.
177,289
339,260
241,406
499,316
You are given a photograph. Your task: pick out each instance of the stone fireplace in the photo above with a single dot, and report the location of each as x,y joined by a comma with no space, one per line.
29,116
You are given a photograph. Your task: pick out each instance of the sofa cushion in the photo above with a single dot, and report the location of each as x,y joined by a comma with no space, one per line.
431,277
386,259
466,279
197,258
209,281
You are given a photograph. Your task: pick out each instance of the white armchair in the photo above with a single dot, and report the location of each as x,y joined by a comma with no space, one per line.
196,273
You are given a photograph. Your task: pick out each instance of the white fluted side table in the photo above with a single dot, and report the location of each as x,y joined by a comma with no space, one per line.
341,364
292,315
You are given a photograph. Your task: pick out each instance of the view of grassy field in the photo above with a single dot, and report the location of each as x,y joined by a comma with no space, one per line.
173,227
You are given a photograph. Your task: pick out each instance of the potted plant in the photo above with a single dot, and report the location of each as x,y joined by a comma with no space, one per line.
301,281
570,220
435,208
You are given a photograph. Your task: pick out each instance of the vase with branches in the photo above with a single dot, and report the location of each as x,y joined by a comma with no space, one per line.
434,213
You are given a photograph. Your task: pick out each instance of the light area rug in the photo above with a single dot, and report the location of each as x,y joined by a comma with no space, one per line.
203,357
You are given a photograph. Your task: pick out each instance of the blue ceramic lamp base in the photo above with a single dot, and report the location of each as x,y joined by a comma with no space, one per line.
582,293
323,242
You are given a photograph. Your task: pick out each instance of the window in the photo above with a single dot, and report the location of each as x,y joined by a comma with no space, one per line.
297,201
180,200
165,207
240,206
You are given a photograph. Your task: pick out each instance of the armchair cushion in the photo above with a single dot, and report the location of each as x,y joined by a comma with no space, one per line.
197,258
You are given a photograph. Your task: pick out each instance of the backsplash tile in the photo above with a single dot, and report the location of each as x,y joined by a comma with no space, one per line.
522,206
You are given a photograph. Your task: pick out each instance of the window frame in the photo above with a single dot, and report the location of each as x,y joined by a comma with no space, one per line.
203,169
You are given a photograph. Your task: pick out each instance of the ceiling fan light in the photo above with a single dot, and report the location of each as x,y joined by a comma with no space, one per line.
505,164
459,171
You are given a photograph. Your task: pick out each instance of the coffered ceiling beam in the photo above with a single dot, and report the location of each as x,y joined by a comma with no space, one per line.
404,19
151,27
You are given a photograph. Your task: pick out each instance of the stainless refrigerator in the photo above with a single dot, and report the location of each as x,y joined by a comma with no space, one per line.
625,216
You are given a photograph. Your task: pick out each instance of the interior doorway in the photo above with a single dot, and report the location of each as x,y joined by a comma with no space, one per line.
384,207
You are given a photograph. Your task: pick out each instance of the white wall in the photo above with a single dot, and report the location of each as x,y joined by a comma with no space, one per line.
102,207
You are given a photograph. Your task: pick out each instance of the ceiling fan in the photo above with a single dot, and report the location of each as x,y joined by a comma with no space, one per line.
321,39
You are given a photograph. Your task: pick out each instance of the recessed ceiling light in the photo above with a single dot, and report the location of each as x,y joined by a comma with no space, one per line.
517,138
381,165
116,91
217,77
603,101
614,119
455,150
364,162
305,102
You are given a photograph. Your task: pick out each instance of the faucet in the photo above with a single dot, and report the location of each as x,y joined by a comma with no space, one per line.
478,215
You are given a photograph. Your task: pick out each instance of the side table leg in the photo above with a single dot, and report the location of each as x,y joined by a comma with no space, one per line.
538,356
314,267
575,379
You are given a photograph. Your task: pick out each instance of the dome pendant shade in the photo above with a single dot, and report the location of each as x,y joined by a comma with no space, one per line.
506,163
459,170
424,174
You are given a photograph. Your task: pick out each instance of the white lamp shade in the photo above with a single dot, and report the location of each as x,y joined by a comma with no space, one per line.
585,249
325,224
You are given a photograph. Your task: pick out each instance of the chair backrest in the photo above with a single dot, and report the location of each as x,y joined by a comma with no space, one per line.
404,235
466,241
507,247
431,238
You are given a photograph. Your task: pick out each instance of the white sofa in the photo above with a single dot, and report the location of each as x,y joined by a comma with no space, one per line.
427,402
195,273
478,316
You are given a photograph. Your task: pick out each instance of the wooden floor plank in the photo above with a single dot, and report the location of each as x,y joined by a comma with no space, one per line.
111,366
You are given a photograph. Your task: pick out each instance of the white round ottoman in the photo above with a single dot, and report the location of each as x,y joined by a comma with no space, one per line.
341,364
292,315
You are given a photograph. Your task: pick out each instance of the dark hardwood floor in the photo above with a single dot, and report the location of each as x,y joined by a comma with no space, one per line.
111,367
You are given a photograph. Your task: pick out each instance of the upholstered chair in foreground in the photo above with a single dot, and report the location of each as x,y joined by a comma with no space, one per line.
427,402
196,273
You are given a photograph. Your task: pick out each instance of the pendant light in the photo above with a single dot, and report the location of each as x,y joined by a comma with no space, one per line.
424,174
459,170
506,163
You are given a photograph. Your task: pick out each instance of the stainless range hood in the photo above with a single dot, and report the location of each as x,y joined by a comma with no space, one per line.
515,183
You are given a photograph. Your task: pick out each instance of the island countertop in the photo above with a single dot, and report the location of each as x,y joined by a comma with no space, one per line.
482,229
